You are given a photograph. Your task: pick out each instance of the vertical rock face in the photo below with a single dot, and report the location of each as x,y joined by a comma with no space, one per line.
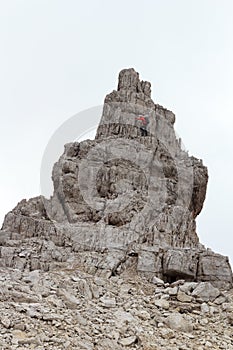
129,198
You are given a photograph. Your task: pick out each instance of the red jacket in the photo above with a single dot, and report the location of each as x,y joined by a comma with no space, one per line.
143,119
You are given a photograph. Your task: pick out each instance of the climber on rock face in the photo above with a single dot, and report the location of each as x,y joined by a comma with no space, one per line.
144,122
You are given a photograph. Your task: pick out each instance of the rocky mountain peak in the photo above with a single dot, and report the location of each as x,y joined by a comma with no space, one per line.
113,260
129,80
123,107
126,200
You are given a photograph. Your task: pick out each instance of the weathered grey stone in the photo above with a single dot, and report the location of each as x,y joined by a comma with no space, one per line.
183,297
144,315
162,303
206,291
128,341
227,307
171,290
214,268
123,317
5,321
85,345
32,277
205,308
188,287
178,283
69,299
84,289
220,300
108,302
157,281
177,322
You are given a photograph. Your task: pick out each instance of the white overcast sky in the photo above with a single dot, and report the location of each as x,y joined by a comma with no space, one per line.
59,57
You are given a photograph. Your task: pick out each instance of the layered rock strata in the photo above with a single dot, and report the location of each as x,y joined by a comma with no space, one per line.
127,199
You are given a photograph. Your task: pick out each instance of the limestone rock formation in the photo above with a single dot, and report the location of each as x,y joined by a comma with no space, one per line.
126,200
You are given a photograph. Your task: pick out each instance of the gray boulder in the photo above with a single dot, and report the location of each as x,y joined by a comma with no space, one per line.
179,323
206,291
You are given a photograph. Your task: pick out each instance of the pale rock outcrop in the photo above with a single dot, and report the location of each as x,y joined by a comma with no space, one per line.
126,200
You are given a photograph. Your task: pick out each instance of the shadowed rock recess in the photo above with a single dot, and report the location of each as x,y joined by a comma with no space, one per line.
126,201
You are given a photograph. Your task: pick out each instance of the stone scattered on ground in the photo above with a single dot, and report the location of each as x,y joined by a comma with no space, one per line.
51,311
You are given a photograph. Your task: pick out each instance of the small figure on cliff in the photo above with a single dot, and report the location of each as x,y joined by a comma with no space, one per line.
144,122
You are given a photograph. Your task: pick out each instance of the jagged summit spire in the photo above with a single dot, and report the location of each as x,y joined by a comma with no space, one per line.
131,89
124,108
129,80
